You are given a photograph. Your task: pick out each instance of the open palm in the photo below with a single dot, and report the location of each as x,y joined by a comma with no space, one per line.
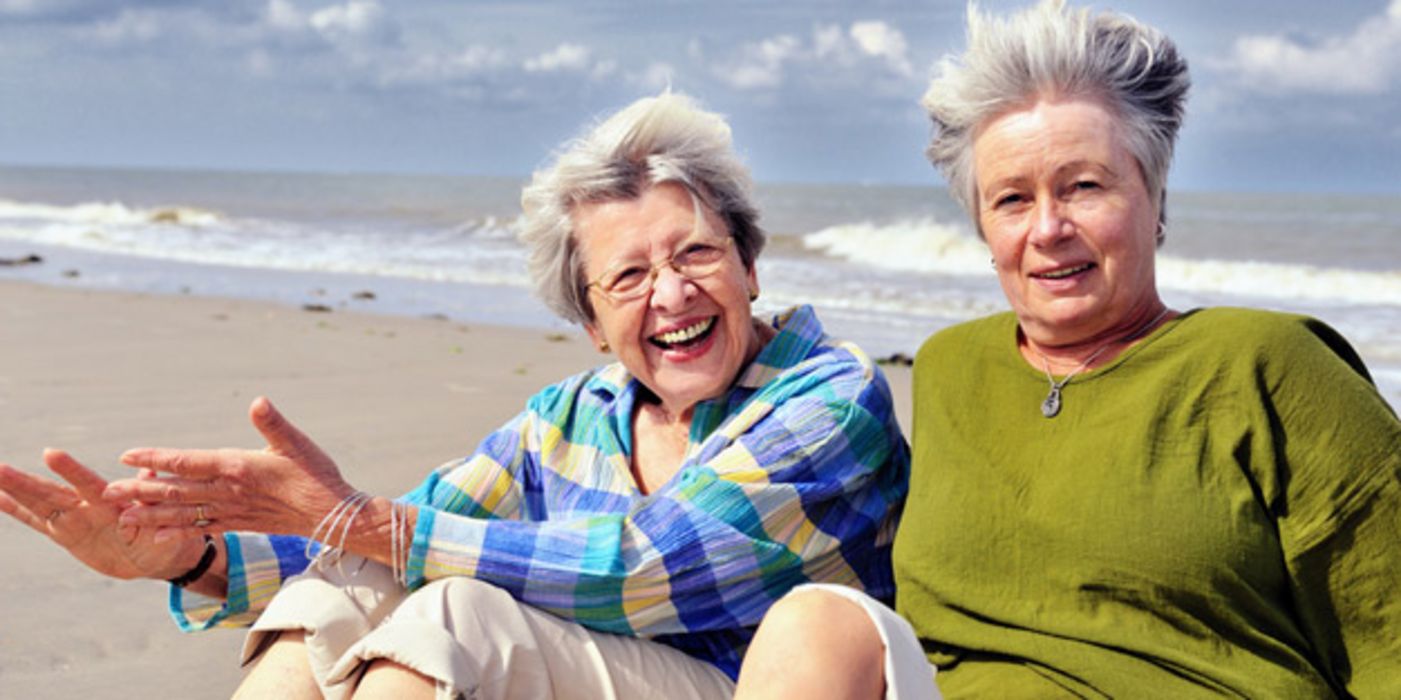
76,518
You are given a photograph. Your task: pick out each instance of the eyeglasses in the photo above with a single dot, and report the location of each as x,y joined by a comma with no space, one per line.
697,258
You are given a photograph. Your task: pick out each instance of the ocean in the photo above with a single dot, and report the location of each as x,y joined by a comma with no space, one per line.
884,265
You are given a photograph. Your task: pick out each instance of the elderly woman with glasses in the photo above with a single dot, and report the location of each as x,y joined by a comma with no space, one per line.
1110,497
621,537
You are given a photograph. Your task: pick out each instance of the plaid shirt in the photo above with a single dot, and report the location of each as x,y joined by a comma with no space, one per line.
796,474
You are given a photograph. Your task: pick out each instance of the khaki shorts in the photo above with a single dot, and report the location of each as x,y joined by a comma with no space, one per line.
472,638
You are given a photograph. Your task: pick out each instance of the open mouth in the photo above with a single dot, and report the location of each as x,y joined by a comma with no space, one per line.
1064,272
689,336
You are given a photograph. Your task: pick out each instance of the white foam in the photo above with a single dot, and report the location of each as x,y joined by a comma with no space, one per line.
98,213
933,247
921,245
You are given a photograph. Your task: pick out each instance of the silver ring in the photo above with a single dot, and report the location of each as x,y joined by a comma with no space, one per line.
200,519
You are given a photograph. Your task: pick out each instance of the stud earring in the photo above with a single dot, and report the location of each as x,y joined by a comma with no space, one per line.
603,346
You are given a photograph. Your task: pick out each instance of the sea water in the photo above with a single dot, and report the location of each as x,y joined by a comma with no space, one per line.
884,265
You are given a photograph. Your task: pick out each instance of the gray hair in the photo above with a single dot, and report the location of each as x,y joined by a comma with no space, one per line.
655,140
1050,49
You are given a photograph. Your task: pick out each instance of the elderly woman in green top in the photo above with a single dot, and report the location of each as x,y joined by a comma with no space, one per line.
1111,497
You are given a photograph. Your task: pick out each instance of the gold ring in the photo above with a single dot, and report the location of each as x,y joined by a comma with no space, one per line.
200,520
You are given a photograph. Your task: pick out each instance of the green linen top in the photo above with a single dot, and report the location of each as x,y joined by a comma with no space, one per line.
1217,511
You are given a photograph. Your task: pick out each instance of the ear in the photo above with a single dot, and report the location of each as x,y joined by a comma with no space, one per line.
752,278
596,337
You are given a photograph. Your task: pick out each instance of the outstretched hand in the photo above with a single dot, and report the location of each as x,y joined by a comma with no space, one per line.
77,517
285,488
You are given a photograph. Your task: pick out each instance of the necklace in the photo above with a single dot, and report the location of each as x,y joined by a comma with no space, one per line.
1050,407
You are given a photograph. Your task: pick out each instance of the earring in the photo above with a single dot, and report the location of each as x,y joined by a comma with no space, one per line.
994,262
753,295
603,346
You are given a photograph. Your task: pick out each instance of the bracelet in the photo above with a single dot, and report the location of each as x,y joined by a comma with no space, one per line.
210,552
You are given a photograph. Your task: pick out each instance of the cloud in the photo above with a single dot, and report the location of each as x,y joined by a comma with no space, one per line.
870,50
564,58
1365,62
883,41
762,64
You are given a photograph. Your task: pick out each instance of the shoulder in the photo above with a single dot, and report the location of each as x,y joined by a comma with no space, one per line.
957,340
833,372
598,385
1268,337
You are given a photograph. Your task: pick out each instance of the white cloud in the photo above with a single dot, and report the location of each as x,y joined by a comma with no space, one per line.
884,41
1367,61
864,51
565,57
761,65
283,15
353,21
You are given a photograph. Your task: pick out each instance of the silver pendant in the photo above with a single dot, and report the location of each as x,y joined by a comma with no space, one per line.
1051,406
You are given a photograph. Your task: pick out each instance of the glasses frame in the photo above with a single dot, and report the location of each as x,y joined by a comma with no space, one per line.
655,268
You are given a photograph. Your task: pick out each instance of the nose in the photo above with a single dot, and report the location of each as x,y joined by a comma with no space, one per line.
1051,224
670,289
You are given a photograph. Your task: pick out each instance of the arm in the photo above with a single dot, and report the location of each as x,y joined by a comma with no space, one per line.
286,489
794,488
1341,530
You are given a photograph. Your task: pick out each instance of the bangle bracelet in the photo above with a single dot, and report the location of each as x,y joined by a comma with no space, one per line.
189,577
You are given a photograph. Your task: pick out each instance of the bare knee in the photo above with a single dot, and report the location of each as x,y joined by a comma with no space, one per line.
283,668
387,679
814,644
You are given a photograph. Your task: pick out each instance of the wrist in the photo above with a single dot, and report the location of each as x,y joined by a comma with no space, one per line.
208,552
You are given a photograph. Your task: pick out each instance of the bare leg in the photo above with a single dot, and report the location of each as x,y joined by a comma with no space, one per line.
814,644
282,671
386,679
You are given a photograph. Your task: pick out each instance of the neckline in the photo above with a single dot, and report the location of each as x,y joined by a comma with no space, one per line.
1089,374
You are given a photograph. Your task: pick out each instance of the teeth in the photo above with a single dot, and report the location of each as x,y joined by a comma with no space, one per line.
684,334
1058,274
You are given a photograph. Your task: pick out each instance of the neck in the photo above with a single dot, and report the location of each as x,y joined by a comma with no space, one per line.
1097,349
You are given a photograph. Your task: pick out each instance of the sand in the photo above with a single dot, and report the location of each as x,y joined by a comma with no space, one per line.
98,372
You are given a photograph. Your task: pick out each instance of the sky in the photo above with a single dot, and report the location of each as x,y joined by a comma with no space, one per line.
1288,96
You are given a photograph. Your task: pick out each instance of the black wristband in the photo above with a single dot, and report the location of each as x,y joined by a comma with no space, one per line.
210,552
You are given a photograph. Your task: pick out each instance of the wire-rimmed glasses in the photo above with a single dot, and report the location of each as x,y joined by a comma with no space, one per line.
696,258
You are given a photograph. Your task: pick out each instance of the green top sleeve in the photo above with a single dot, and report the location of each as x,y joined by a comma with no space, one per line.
1213,512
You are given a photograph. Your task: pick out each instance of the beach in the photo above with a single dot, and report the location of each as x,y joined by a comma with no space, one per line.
95,372
151,307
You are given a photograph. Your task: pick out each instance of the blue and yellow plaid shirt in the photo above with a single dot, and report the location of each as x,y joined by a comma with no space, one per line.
797,473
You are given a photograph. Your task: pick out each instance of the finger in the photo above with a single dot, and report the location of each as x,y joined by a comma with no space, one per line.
279,432
12,508
36,493
179,517
194,464
165,491
88,484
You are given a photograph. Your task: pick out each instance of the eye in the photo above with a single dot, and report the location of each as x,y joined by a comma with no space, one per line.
700,254
1007,200
1086,185
624,279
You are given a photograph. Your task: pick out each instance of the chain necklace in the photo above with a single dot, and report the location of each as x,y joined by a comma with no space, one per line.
1050,407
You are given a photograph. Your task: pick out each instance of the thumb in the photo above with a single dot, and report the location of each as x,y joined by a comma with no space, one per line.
279,432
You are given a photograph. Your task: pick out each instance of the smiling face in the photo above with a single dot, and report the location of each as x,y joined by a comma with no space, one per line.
1071,225
686,340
